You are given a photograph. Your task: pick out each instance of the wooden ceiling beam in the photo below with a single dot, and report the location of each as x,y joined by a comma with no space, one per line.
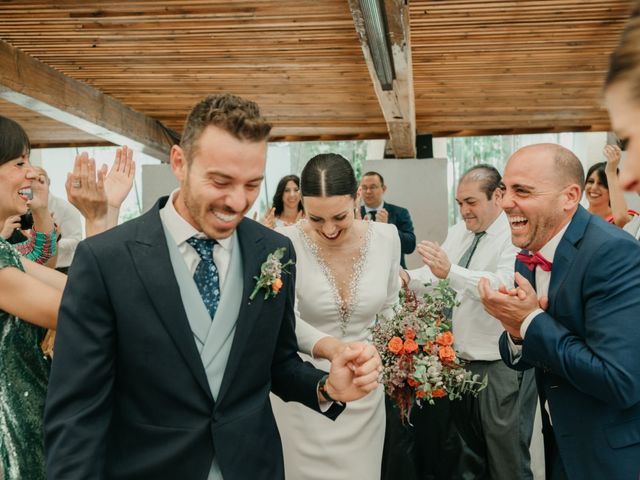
397,104
30,83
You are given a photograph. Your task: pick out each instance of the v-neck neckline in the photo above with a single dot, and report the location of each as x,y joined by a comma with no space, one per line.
344,308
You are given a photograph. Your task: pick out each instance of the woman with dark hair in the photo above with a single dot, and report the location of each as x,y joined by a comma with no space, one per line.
347,274
603,192
30,297
287,204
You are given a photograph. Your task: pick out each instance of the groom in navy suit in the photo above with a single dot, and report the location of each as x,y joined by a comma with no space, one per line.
574,316
165,357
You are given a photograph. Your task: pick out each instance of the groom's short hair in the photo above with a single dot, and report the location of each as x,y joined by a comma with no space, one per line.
235,115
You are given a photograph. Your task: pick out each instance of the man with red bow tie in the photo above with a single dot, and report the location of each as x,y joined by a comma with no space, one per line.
573,316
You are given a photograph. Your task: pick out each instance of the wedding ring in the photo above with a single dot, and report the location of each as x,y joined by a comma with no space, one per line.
76,184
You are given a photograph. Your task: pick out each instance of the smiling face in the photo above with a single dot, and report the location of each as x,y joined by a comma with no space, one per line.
477,211
291,195
537,201
595,191
372,190
624,112
15,184
220,183
330,218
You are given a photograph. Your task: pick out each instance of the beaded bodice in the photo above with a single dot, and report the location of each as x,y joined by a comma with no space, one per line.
345,304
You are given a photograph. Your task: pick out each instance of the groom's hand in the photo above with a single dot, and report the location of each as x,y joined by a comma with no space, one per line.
354,373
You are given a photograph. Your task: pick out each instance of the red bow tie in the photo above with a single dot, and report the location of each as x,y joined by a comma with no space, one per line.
532,261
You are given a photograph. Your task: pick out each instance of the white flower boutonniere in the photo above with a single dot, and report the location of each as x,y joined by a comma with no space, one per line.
270,274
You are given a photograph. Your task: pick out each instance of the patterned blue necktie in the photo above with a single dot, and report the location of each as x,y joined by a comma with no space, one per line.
206,274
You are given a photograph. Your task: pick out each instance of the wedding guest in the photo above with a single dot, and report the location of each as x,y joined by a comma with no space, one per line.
603,192
35,237
287,203
176,325
347,275
376,209
572,317
497,426
622,98
29,301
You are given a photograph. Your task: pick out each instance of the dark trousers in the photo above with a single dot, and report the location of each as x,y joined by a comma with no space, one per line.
474,438
503,415
431,447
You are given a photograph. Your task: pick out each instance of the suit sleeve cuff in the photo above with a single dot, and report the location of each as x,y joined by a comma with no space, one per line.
527,321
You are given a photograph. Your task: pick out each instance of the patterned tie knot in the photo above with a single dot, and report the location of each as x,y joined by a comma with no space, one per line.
204,247
206,275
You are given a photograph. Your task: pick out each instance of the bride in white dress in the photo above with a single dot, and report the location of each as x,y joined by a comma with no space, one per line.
347,273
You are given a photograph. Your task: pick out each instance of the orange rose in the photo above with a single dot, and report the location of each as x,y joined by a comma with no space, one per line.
445,339
447,354
276,285
438,392
420,394
412,382
396,345
410,346
409,333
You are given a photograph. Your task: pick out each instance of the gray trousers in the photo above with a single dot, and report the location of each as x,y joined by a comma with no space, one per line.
503,415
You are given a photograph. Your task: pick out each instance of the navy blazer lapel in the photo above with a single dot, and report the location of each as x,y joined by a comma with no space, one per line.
523,270
151,258
391,212
254,254
566,253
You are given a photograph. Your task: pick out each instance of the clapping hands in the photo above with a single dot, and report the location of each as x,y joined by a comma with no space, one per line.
98,194
119,180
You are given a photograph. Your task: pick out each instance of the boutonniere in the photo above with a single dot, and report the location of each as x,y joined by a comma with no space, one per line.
270,274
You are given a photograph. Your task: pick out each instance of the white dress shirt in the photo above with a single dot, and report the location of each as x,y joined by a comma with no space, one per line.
69,222
543,279
476,332
181,231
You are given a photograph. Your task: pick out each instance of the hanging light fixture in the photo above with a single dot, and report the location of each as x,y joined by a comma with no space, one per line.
375,25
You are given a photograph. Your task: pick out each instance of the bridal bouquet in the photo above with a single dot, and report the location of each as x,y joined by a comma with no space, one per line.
416,346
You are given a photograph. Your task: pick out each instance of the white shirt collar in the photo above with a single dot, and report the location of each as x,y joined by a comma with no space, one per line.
548,251
181,230
368,209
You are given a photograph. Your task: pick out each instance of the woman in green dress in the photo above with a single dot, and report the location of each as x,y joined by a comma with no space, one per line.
30,294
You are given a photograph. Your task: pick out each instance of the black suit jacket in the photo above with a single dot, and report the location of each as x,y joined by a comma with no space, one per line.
400,217
128,394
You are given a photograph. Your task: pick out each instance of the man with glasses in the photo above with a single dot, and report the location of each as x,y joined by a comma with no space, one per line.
374,208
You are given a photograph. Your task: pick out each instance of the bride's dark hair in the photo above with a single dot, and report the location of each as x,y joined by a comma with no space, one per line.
327,175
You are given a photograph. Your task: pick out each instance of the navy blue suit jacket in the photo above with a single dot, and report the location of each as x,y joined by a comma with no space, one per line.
128,395
400,217
586,350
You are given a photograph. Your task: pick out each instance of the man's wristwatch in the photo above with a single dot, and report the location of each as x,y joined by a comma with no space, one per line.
322,388
516,340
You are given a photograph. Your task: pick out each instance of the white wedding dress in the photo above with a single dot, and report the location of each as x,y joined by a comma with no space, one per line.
350,447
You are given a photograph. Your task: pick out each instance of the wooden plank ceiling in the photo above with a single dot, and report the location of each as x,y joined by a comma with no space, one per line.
478,67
